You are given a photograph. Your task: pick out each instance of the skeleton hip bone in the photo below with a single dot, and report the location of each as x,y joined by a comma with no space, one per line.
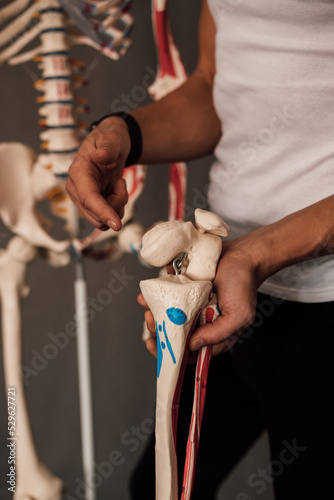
18,196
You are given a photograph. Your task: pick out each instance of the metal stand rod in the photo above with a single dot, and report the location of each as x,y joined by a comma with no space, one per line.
84,379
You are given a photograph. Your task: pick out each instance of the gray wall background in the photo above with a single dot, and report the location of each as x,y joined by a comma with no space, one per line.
124,373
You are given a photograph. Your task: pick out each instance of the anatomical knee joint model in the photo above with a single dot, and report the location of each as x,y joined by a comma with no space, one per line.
176,302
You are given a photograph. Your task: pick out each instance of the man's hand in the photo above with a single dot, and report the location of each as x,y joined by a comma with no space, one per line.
95,181
247,261
235,284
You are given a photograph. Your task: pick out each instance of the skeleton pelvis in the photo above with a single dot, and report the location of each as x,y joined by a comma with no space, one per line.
17,196
175,302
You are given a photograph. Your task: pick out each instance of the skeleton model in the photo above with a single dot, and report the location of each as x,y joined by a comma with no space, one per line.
176,302
58,26
26,178
33,177
171,74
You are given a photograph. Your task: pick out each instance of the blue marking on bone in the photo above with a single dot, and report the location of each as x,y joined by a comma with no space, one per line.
159,350
56,53
53,30
52,9
134,249
60,77
61,176
169,346
176,315
161,345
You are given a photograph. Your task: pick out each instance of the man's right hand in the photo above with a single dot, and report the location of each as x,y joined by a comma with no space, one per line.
95,182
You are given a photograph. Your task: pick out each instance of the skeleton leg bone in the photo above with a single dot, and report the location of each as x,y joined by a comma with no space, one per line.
178,300
34,481
175,302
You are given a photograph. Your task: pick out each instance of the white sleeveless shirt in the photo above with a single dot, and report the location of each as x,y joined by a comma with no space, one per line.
274,94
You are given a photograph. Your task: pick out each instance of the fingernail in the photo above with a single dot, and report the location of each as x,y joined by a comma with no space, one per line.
196,344
113,225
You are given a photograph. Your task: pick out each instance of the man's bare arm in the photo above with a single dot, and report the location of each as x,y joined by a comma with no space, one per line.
183,125
247,261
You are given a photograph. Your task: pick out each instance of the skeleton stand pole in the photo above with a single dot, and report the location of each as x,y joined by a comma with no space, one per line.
84,376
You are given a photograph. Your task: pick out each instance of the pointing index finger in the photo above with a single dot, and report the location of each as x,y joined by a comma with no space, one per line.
88,187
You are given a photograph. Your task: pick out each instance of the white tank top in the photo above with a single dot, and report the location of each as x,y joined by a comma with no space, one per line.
274,94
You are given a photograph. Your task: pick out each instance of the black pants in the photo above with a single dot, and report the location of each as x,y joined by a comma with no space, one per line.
279,376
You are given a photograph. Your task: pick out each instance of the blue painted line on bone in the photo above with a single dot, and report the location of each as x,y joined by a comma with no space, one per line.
134,249
176,315
69,102
52,9
159,350
73,251
62,77
56,53
53,30
169,346
61,176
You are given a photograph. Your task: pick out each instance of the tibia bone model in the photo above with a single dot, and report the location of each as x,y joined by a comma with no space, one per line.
34,481
176,301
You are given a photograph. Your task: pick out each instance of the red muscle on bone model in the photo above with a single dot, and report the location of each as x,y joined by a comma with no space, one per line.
171,74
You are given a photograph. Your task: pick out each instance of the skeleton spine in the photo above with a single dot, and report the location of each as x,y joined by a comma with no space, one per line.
60,129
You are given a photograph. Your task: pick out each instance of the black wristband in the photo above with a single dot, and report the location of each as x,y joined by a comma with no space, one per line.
135,136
